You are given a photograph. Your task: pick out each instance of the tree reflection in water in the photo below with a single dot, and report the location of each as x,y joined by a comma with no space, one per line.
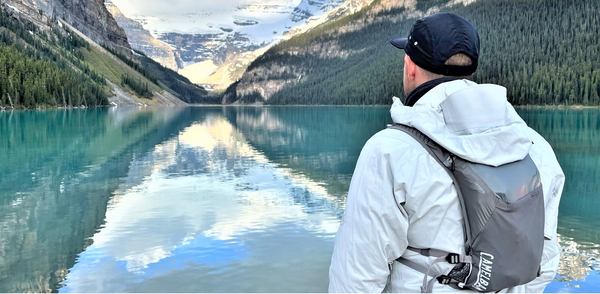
129,200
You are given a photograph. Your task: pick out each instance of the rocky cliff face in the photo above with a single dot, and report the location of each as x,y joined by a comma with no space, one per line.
90,22
88,16
142,40
93,19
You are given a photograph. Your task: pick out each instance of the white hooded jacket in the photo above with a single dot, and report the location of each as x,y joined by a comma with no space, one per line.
401,196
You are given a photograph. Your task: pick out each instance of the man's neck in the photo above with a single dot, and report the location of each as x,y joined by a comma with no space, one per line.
423,88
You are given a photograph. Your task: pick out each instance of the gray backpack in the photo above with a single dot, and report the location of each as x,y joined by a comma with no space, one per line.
503,213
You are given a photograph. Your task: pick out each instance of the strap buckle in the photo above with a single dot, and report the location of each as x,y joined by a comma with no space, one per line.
453,258
445,280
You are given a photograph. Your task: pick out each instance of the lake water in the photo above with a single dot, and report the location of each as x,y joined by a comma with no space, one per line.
205,199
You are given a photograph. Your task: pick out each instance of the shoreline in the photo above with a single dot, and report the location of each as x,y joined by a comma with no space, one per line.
529,106
288,105
560,106
42,108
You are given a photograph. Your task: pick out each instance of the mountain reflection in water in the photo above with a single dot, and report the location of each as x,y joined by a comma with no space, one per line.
220,199
210,206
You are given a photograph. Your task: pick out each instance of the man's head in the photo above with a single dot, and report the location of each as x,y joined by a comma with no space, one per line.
439,45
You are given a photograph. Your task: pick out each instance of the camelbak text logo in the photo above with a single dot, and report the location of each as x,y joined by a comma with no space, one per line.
485,272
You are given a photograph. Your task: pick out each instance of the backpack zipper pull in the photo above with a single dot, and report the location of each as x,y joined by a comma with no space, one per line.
449,162
388,285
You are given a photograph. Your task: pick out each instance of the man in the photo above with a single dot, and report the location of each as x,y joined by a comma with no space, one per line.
400,197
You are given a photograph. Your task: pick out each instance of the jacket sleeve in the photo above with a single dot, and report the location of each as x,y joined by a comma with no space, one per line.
553,181
374,228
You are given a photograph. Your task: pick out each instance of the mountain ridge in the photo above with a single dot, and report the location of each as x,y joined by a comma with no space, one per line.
90,48
142,40
217,59
92,19
350,61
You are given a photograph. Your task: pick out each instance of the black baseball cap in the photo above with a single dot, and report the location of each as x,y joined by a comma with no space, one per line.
434,39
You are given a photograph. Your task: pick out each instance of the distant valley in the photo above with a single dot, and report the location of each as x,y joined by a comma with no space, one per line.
75,53
215,52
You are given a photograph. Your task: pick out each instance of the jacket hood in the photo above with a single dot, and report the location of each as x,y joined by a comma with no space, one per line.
472,121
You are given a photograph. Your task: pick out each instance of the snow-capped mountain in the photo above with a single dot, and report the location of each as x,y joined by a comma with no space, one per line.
208,36
140,39
199,31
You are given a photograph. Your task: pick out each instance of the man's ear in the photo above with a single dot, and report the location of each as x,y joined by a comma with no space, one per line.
410,67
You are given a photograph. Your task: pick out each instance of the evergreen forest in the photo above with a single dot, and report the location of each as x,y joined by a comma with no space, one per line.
542,51
44,68
48,65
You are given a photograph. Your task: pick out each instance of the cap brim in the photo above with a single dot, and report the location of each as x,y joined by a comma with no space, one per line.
399,43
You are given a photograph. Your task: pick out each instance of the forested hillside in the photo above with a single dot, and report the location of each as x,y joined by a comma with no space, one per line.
48,64
543,51
44,68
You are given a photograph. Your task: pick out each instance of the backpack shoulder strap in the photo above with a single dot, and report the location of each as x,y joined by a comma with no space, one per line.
444,158
438,152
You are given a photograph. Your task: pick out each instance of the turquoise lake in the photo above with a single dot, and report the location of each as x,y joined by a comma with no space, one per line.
221,199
